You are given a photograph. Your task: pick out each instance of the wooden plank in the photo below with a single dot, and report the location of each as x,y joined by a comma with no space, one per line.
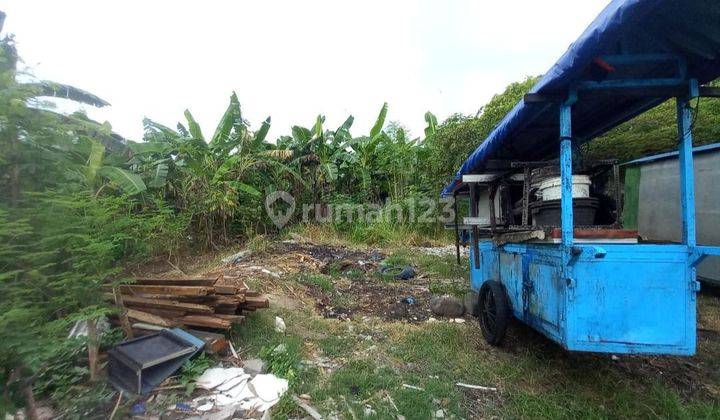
189,281
256,302
165,313
148,318
205,321
214,343
167,304
166,290
219,300
235,319
226,289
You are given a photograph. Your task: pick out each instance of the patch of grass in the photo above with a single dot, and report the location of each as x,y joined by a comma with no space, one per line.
448,351
445,266
324,282
259,244
359,379
454,288
255,332
400,257
284,359
337,345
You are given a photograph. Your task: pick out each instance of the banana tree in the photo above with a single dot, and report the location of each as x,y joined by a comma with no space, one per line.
213,180
23,126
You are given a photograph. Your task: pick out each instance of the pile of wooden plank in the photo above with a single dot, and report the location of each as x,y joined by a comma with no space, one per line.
194,302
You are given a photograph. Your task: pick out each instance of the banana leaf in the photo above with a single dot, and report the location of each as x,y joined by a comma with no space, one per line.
301,135
227,122
127,181
342,134
195,131
262,132
58,90
150,147
377,128
431,128
317,131
160,173
95,159
246,188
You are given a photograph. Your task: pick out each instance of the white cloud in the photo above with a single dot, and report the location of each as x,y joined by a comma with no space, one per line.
292,59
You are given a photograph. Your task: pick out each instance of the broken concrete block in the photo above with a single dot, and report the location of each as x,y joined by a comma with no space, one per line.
447,305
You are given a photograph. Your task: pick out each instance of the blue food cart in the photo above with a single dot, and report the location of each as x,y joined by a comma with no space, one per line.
546,241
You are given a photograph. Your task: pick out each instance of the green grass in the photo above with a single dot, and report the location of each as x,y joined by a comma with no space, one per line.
535,380
324,282
337,345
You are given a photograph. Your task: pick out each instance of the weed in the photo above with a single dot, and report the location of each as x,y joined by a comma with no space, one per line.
284,359
192,369
258,244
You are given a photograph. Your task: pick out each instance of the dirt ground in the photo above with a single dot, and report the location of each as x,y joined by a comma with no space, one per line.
359,289
343,284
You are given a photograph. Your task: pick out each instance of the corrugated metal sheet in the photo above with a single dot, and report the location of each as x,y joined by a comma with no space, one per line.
687,28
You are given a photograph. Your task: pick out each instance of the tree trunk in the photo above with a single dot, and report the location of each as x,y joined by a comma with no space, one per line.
31,405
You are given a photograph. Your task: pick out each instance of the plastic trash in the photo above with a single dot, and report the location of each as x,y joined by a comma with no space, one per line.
409,300
138,409
279,324
232,386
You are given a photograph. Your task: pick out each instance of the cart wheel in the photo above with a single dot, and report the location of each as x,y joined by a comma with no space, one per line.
494,312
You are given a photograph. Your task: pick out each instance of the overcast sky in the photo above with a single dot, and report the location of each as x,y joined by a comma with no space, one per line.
294,59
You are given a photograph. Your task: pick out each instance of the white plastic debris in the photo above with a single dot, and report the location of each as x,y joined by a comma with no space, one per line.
232,386
268,387
79,329
232,383
279,324
214,377
206,407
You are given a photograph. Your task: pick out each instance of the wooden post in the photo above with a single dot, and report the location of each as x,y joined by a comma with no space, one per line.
92,348
31,405
124,322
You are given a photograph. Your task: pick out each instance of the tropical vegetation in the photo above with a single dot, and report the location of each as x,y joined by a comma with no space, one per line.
80,203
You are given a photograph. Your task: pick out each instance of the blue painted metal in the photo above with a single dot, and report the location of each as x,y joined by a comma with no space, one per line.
708,250
687,177
566,201
631,299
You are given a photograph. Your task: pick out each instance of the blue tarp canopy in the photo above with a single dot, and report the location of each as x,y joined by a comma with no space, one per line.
688,29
